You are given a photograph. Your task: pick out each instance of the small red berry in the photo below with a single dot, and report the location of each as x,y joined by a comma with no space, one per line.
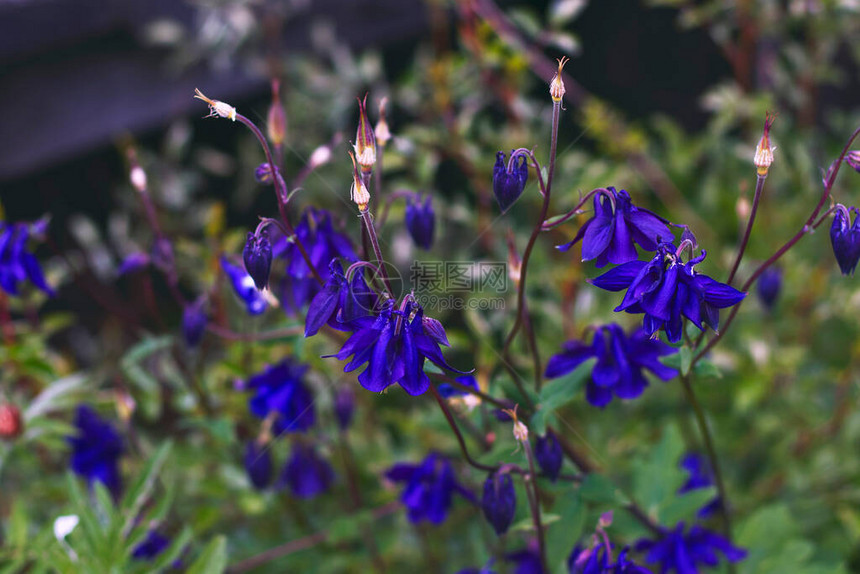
10,421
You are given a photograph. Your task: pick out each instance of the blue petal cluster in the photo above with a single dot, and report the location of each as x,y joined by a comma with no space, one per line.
549,455
509,181
280,389
700,476
499,501
16,263
621,360
845,238
597,560
420,221
430,488
96,449
609,236
686,552
449,391
306,472
340,301
153,545
665,288
244,287
316,232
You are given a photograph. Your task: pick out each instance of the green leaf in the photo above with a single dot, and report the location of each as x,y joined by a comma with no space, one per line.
657,477
55,396
685,506
16,532
686,355
599,489
571,510
139,493
213,559
706,369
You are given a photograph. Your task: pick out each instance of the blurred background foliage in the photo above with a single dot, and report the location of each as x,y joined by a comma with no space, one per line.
667,101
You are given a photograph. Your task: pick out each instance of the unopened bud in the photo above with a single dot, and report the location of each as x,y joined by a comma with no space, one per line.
358,192
276,120
216,108
381,131
365,142
320,156
852,158
521,431
556,86
10,421
764,151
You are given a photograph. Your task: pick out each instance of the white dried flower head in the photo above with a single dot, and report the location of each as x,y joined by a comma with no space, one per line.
216,108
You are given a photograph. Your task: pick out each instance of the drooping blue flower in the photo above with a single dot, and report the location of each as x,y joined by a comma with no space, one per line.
700,476
257,256
549,455
153,545
617,224
340,302
509,181
845,238
685,553
322,243
394,345
769,285
499,501
306,472
621,360
243,286
258,464
16,263
430,488
194,322
96,449
420,221
664,289
280,389
344,406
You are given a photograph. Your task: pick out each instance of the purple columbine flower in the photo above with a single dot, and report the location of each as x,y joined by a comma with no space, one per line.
420,221
316,232
617,224
844,239
16,263
768,286
549,455
449,391
700,476
596,560
244,287
280,389
344,407
526,561
621,360
258,464
194,322
96,449
306,472
686,552
509,181
430,488
257,256
340,302
394,345
153,545
499,501
664,289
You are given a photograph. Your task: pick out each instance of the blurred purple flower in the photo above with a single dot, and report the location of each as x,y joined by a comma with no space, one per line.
16,263
430,487
686,552
280,389
153,545
194,322
499,501
769,285
306,472
700,476
258,464
96,449
549,455
420,221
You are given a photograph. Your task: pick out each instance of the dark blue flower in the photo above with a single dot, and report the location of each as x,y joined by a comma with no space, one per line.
686,552
194,322
420,221
509,181
499,501
279,389
769,285
344,407
340,302
16,263
846,240
306,472
244,287
153,545
394,345
596,560
621,360
549,455
664,289
700,476
430,487
258,464
617,224
96,449
526,561
257,256
449,391
322,243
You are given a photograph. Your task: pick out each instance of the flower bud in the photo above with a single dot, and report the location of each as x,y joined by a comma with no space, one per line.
194,322
307,473
420,221
521,431
549,456
216,108
852,158
344,407
499,501
764,151
276,119
846,240
769,285
263,173
10,421
556,86
381,131
258,258
509,181
365,142
358,192
258,464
